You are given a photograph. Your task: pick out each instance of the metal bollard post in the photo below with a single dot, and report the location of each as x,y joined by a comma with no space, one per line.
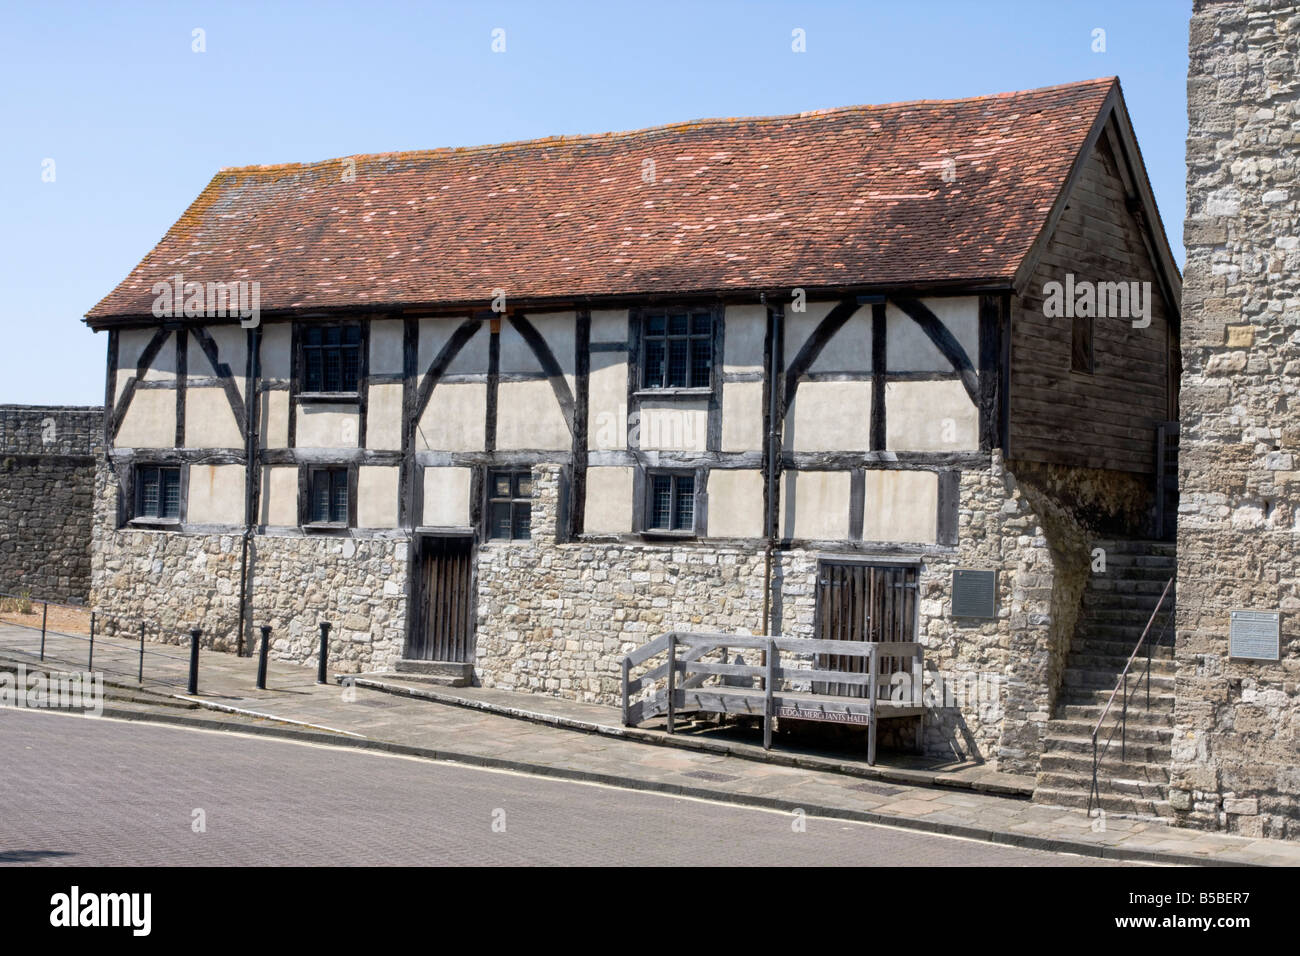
45,613
90,664
261,657
194,660
323,662
140,676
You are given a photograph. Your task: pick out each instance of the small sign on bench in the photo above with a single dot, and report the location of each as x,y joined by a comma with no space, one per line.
808,713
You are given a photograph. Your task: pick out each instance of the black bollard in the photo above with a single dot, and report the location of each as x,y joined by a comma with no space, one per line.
323,662
194,659
90,663
140,674
261,657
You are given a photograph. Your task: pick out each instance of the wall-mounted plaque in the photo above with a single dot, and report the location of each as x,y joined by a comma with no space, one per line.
974,593
1254,635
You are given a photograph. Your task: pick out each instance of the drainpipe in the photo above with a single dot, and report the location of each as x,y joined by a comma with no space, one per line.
250,484
776,315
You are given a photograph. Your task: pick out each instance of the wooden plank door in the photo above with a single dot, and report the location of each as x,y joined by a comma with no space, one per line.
863,602
445,631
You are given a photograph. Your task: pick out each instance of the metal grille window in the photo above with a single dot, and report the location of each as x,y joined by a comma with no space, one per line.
158,492
329,496
510,505
331,358
677,350
672,503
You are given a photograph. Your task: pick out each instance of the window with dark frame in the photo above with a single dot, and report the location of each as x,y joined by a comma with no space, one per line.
510,505
1081,356
331,358
158,492
671,504
677,350
328,492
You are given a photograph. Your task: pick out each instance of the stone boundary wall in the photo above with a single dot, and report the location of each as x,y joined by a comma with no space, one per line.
1236,750
47,476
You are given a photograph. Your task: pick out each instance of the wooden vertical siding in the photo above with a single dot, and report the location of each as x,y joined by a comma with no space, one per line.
1106,419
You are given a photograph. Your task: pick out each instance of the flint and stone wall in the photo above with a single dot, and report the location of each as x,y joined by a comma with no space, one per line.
47,475
1236,750
173,581
557,618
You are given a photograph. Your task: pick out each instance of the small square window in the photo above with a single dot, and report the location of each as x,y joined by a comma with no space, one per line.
158,492
510,505
328,501
671,505
331,358
677,350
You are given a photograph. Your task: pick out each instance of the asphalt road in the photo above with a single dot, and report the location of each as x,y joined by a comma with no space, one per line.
109,793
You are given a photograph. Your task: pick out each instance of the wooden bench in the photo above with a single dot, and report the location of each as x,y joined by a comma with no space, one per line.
685,681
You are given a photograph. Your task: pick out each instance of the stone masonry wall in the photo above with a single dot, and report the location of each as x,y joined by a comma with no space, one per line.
1236,751
172,581
47,476
558,618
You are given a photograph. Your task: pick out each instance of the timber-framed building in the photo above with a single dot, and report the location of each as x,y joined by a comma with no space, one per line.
518,409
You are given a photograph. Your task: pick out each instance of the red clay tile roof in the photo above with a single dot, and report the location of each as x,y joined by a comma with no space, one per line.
856,196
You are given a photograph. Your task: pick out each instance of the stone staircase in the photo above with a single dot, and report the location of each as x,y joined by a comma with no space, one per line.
1116,607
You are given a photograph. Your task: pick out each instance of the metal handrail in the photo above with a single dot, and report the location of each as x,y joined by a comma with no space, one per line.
1095,792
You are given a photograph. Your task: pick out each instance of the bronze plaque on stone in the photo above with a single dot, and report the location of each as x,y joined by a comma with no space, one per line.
1254,635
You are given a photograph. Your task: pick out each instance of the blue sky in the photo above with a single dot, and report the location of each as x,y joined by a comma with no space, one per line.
137,123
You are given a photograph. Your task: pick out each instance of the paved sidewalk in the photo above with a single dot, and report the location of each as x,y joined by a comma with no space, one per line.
295,706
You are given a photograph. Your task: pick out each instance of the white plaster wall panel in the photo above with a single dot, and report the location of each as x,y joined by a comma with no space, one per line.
930,416
209,421
744,330
529,417
377,496
742,416
673,425
384,417
232,350
735,503
901,506
131,344
910,350
150,421
849,349
275,419
829,416
216,494
327,426
277,339
607,401
815,505
609,325
434,333
280,499
446,497
455,419
386,347
558,331
609,501
163,366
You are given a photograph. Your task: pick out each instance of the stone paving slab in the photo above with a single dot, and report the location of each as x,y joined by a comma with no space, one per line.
295,706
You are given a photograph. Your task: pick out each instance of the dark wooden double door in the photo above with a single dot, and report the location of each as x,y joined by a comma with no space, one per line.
863,602
444,628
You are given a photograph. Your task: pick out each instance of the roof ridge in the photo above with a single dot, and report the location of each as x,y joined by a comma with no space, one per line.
614,135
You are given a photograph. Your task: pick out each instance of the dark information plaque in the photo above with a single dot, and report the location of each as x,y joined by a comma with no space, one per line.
1254,635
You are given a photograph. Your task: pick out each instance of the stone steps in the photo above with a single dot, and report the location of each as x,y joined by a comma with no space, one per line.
1067,763
442,673
1089,679
1072,743
1084,703
1114,663
1110,802
1080,728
